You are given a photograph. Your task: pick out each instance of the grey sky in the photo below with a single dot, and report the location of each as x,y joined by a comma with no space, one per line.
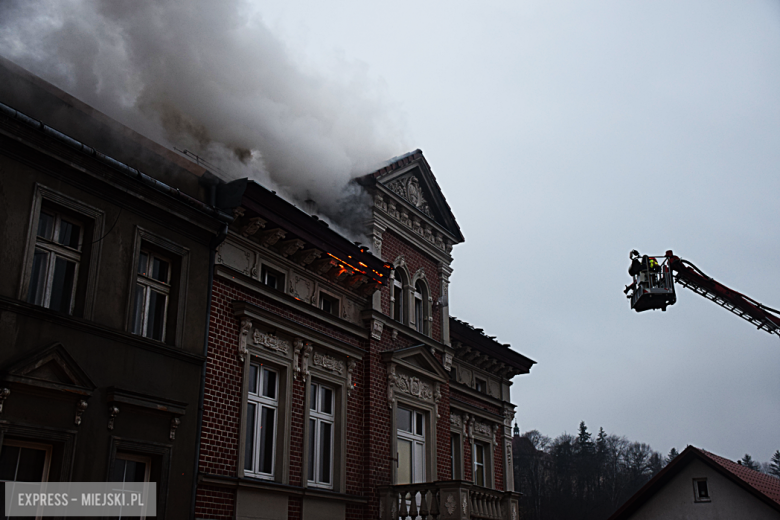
564,134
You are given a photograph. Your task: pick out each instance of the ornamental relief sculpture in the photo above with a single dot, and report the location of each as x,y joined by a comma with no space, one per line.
409,385
329,363
410,189
271,342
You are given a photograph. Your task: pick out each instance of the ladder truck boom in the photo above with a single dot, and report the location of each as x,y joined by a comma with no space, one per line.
652,288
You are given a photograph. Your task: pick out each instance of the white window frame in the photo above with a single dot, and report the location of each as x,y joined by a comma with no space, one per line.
54,250
150,285
92,219
484,464
418,442
47,448
319,418
176,304
147,472
260,402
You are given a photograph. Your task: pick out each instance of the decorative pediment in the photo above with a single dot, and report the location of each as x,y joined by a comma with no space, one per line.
419,360
50,368
411,178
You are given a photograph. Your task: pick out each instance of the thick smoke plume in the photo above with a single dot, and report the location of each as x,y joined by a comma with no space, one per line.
209,76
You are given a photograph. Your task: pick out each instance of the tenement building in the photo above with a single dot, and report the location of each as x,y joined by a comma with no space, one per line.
103,300
338,385
158,324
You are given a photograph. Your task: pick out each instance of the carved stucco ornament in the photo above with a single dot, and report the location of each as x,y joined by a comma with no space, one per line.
297,348
113,411
376,329
252,226
456,420
409,189
4,393
271,342
350,367
329,363
80,407
175,422
450,503
243,336
447,361
465,503
305,361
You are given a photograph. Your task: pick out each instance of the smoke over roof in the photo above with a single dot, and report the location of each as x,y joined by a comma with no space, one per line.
211,78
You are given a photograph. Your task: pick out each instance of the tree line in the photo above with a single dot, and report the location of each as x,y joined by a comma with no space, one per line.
580,477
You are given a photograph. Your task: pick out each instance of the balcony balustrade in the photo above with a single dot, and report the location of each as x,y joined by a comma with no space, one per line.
446,500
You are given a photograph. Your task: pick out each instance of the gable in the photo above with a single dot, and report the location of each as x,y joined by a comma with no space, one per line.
411,178
419,360
50,368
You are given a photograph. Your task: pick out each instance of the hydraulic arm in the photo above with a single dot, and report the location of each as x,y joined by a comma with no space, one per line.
644,293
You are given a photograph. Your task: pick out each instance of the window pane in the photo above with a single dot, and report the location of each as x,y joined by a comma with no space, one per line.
62,285
419,463
325,441
404,420
418,423
480,476
69,234
418,315
312,443
45,225
135,471
249,441
313,398
327,401
155,326
138,309
143,260
9,458
480,454
253,372
31,463
267,440
404,462
269,383
118,471
159,270
38,278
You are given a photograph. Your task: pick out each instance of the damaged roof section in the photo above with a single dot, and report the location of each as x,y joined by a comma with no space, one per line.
267,219
475,347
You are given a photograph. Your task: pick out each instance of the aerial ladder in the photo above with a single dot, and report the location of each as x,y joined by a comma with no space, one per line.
652,288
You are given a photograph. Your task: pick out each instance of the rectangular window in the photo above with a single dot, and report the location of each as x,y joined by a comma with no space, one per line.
480,385
479,464
321,419
24,462
701,492
410,443
418,312
261,419
56,261
272,278
398,303
329,304
152,295
130,468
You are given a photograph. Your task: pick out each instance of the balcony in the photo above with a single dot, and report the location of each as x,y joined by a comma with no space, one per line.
446,500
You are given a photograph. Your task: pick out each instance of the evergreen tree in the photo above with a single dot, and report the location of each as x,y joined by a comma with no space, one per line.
672,454
774,464
748,462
